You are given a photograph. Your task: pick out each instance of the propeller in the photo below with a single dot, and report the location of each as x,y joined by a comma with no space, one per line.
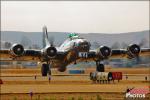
49,48
143,42
133,52
104,52
17,50
51,40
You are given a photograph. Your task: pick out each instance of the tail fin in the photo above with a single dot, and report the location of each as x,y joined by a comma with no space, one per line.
45,37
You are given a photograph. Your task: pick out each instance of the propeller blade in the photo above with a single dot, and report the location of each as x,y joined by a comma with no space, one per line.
143,42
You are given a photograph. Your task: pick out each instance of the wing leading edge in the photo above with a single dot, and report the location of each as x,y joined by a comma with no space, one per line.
118,53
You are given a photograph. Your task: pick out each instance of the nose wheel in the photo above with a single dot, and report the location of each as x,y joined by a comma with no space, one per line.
100,67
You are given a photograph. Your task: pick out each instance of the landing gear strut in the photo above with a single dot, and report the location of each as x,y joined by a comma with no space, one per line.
99,67
45,69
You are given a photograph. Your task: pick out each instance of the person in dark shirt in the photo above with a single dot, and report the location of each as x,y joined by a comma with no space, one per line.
145,78
49,79
35,77
126,77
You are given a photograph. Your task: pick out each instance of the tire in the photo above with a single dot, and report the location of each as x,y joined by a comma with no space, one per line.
44,69
49,72
100,68
91,76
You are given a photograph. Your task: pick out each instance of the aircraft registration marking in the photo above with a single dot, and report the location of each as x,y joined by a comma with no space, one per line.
83,54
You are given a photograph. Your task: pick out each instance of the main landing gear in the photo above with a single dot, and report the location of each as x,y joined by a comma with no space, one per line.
99,67
45,69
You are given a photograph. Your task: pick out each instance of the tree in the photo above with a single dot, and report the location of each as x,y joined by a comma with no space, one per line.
143,42
96,44
124,45
116,45
7,45
51,40
25,41
35,46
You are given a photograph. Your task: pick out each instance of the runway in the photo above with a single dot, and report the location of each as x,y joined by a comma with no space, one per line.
62,86
86,77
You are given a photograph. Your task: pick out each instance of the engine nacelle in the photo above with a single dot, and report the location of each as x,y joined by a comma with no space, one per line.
17,50
50,52
133,50
104,52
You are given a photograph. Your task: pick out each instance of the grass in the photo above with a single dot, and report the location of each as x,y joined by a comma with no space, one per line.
52,99
98,97
72,98
80,98
46,99
15,98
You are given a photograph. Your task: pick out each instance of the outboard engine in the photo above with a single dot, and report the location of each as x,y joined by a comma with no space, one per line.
104,52
17,50
133,50
50,51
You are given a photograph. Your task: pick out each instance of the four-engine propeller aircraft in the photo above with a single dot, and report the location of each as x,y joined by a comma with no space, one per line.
73,50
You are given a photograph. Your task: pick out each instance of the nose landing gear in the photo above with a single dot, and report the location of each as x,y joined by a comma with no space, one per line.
99,67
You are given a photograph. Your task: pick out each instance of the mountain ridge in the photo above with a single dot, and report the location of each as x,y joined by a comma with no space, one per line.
100,38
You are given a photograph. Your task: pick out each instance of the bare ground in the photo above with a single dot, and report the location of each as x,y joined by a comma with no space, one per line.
17,83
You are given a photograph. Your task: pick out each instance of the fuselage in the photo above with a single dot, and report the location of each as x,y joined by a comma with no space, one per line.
72,46
80,44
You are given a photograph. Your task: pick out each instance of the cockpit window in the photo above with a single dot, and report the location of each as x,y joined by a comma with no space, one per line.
73,36
65,43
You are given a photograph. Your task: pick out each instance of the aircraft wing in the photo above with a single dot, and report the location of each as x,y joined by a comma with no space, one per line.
28,55
128,54
18,53
118,53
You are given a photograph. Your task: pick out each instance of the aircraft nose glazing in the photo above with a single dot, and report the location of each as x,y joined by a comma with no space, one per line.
84,45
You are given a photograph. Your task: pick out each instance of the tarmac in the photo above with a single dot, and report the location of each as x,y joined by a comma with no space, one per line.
66,86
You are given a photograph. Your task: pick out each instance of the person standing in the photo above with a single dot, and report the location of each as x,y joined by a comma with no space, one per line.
31,95
126,77
145,78
49,79
35,77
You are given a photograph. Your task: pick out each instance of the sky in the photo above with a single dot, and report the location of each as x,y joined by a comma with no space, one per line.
75,16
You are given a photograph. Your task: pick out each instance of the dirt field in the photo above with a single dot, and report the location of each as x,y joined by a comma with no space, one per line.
18,83
87,71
